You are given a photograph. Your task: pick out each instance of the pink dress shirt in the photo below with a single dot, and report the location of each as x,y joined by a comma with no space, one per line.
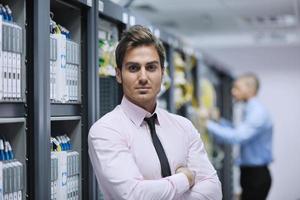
127,166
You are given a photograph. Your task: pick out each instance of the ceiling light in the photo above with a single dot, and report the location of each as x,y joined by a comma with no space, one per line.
271,20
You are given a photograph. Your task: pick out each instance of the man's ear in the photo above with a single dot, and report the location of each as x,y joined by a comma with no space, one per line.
118,75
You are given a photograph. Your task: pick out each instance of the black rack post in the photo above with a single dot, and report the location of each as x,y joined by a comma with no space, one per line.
89,189
38,99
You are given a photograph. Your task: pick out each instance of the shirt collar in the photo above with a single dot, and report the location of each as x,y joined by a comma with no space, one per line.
135,113
252,100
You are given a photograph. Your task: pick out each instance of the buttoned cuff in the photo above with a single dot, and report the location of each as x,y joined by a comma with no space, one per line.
180,182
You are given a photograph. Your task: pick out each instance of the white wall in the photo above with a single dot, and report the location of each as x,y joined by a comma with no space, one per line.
280,92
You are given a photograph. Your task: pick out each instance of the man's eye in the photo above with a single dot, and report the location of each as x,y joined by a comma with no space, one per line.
133,68
151,68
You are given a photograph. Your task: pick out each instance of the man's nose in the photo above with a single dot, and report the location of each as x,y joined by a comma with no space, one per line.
143,78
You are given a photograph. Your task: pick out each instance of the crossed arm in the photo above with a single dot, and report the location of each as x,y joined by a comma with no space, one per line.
115,167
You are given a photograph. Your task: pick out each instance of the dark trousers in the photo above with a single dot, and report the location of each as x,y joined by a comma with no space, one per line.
255,182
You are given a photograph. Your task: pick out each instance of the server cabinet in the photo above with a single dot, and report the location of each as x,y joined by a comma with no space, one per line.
215,93
224,102
109,89
182,82
68,81
110,23
57,108
13,126
57,79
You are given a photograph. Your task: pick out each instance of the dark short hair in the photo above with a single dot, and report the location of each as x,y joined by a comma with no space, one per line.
137,36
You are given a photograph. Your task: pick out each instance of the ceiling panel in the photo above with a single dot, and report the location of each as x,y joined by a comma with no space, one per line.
242,34
257,58
263,7
193,16
179,5
189,18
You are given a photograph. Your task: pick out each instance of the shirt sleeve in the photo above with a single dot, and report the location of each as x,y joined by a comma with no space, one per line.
207,184
251,126
226,122
115,167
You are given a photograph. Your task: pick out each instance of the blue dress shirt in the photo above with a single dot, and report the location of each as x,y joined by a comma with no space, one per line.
254,134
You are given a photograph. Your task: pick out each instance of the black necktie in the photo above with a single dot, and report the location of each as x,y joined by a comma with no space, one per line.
164,163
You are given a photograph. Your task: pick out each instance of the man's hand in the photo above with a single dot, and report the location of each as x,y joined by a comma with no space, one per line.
215,114
204,114
189,174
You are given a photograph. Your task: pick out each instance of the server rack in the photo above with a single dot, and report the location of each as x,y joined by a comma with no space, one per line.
165,95
47,117
69,114
33,118
13,131
13,103
226,108
220,154
182,82
111,20
109,90
170,43
193,107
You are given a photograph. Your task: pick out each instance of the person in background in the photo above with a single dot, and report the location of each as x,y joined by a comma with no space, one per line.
254,134
140,151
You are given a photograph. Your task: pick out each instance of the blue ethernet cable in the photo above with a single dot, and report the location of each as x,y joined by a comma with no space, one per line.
1,150
10,152
64,143
69,142
9,13
64,148
3,11
6,155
